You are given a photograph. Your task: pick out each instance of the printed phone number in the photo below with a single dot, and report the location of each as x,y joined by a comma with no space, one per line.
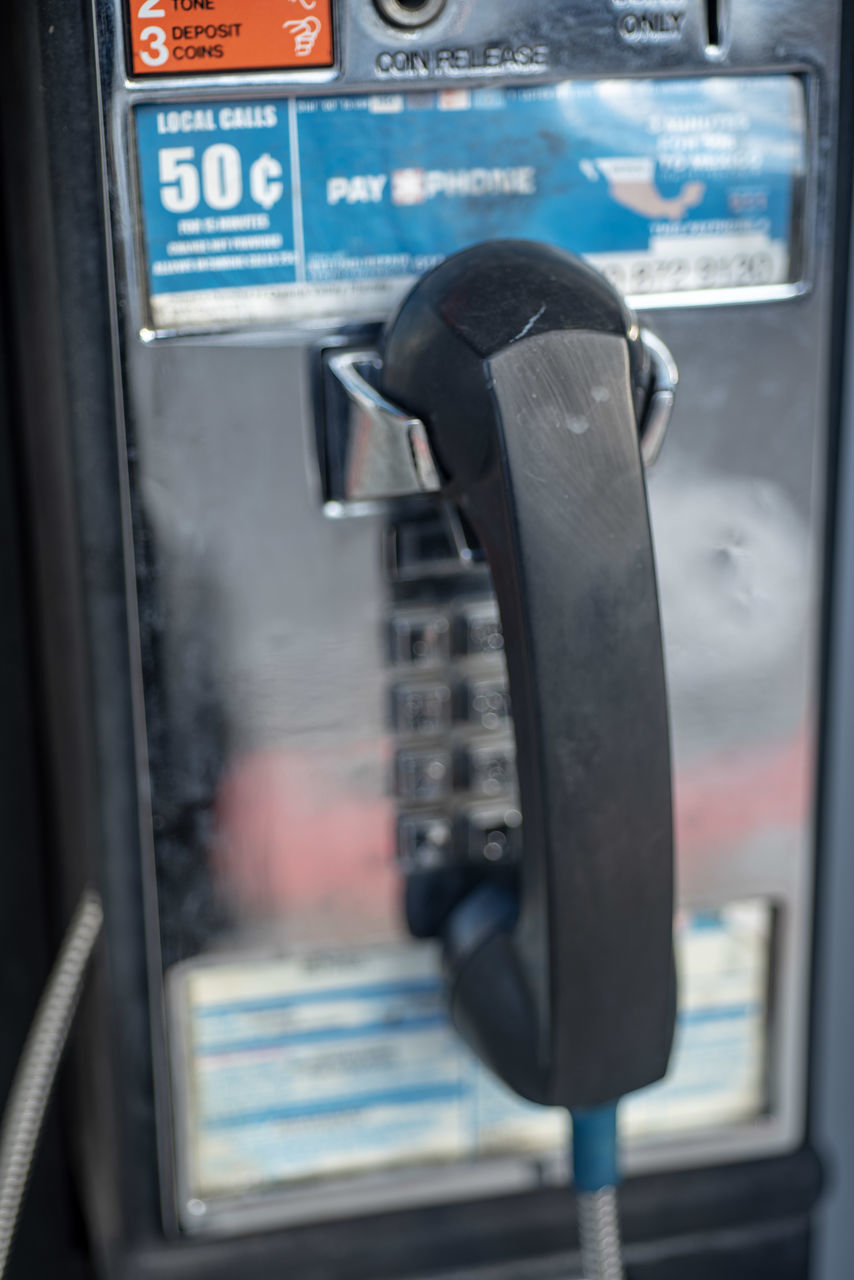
711,271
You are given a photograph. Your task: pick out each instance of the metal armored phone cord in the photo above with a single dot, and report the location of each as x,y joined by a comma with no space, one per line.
36,1071
596,1175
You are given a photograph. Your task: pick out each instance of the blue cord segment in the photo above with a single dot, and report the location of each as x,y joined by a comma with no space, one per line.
594,1147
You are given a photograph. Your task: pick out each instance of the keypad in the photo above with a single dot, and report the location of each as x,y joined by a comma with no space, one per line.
478,630
420,639
488,770
424,777
421,708
492,835
424,841
486,703
454,766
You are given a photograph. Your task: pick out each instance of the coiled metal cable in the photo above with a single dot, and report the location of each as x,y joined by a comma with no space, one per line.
599,1234
31,1088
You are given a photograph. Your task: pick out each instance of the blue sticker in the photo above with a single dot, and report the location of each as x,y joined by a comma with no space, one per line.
345,1062
331,206
216,194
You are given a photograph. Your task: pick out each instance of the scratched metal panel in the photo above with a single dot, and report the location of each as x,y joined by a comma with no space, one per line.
262,672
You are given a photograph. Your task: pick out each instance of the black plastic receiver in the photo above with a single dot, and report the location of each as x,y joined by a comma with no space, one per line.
530,376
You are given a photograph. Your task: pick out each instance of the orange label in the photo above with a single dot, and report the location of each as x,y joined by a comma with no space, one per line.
183,37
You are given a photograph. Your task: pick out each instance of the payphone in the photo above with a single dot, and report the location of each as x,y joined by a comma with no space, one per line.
319,693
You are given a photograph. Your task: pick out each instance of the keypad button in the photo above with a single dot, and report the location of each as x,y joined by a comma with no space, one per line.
424,842
486,704
421,708
423,639
493,835
423,777
419,547
490,770
479,630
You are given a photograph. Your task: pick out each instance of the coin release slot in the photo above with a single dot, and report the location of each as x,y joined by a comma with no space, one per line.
409,13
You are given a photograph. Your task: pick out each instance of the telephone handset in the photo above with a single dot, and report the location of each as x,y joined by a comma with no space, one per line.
516,389
532,383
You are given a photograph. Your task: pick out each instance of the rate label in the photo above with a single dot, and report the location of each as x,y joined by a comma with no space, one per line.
328,208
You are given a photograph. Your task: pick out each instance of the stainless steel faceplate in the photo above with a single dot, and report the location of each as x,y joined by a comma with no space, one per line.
262,675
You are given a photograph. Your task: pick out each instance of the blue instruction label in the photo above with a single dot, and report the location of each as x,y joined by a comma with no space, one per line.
341,1064
330,207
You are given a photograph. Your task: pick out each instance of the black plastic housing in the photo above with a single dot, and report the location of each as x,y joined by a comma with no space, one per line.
530,375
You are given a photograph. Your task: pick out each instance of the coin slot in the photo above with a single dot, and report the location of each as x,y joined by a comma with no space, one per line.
717,24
